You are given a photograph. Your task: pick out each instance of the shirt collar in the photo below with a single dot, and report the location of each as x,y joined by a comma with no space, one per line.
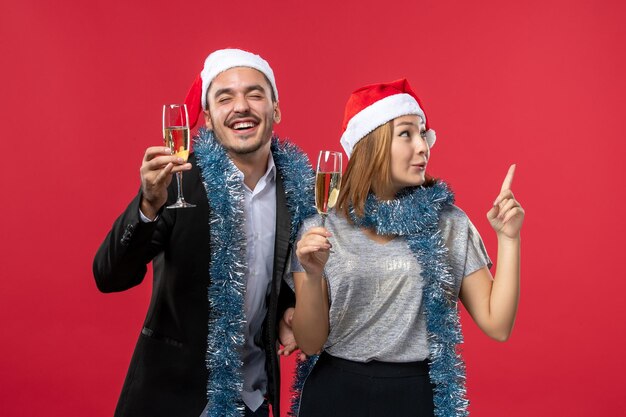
270,174
267,178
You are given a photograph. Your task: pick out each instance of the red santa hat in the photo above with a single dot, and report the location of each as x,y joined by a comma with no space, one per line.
374,105
216,63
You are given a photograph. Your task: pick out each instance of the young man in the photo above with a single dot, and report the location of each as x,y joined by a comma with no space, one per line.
213,354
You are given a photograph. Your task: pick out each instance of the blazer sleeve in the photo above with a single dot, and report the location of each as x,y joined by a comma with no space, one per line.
286,299
121,261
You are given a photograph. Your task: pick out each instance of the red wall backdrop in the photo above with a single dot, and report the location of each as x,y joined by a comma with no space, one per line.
539,83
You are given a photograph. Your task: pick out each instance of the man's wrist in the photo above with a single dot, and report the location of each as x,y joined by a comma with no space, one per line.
146,213
146,219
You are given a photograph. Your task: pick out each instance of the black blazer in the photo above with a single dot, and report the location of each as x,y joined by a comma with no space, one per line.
167,374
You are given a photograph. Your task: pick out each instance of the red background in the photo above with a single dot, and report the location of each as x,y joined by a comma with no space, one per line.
539,83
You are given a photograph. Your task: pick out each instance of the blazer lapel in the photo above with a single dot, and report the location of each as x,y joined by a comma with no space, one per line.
283,231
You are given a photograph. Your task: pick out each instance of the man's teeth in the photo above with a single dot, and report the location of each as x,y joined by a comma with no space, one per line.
243,125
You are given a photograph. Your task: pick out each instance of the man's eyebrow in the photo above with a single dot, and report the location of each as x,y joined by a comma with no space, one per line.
222,91
253,87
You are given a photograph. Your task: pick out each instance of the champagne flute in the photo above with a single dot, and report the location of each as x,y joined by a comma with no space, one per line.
327,182
176,137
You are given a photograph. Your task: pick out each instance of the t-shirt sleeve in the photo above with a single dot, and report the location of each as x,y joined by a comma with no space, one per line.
476,255
294,264
466,250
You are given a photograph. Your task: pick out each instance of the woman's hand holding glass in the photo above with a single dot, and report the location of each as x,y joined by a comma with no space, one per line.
313,250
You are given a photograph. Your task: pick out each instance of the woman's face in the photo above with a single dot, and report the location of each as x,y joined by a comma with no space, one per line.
409,153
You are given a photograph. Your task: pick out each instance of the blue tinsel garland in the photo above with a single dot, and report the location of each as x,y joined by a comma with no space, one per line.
415,215
226,291
303,369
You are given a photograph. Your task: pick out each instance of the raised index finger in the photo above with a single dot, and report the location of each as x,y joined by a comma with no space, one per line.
508,180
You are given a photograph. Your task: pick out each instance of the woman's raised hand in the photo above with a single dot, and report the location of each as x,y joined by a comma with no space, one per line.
313,250
507,215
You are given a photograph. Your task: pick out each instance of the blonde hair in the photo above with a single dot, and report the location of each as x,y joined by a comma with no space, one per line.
369,170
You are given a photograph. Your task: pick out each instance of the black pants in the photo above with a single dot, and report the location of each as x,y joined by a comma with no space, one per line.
338,387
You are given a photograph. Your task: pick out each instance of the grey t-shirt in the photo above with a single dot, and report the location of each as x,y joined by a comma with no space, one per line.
375,289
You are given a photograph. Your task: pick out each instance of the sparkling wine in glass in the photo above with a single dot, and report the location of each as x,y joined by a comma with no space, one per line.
327,182
176,137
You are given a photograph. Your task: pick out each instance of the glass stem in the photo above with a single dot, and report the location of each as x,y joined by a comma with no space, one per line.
324,225
179,182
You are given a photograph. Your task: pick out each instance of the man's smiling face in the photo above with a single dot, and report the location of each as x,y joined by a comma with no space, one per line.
241,111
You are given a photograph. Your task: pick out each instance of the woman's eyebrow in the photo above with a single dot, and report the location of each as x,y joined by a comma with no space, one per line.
407,124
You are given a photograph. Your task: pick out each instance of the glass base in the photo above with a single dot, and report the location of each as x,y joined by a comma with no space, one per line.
181,203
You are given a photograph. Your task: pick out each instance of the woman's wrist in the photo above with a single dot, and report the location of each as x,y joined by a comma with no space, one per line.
504,239
313,276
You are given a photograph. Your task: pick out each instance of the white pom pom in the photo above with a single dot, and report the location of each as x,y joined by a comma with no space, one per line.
431,137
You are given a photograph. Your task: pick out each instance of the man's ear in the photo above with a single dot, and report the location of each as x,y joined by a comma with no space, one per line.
207,119
276,113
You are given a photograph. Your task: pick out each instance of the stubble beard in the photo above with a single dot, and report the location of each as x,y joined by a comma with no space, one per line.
243,151
242,146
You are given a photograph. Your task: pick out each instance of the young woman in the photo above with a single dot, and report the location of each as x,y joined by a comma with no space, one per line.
382,304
